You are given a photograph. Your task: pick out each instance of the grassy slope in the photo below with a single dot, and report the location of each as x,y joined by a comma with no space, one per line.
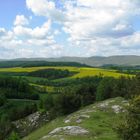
83,72
100,124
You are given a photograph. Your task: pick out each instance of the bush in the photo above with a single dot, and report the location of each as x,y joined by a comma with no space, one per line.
5,127
14,136
129,129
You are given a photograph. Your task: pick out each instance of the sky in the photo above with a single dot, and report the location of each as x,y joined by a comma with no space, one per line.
82,28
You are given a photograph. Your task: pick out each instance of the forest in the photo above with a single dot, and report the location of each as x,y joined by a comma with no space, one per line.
51,73
31,63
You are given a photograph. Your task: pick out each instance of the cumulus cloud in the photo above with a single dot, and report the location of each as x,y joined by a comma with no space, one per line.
102,27
21,20
88,27
37,32
45,8
24,41
99,18
40,7
88,18
132,41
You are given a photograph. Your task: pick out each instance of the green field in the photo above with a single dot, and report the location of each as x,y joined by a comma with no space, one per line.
82,72
46,88
100,123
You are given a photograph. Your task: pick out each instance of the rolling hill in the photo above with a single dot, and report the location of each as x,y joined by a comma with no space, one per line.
80,72
125,60
128,60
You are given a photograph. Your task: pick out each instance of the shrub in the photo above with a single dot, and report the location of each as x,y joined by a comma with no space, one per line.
129,128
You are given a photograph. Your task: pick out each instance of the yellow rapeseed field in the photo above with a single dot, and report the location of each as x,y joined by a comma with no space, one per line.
82,71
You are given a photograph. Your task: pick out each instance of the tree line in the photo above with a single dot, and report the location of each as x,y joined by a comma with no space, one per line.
15,63
51,73
89,90
17,88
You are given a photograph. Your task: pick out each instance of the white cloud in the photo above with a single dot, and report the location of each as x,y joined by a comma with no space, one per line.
87,18
40,42
132,41
90,18
119,27
21,20
85,27
40,7
45,8
37,32
57,32
23,41
102,27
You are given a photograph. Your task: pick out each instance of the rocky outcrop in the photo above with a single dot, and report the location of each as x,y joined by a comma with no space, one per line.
27,125
67,130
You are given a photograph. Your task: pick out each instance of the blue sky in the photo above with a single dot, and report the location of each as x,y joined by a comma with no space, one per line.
55,28
9,10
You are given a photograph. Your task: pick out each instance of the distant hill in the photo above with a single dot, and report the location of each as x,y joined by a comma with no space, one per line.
128,60
123,60
37,63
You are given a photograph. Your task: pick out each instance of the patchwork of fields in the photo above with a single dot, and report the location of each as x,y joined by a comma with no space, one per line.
82,71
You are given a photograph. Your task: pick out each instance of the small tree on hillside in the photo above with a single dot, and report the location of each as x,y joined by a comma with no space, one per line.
105,89
129,129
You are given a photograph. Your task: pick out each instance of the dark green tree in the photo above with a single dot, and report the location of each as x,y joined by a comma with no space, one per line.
129,128
105,89
5,127
2,99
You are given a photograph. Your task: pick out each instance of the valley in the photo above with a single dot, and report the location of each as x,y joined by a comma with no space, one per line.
44,98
